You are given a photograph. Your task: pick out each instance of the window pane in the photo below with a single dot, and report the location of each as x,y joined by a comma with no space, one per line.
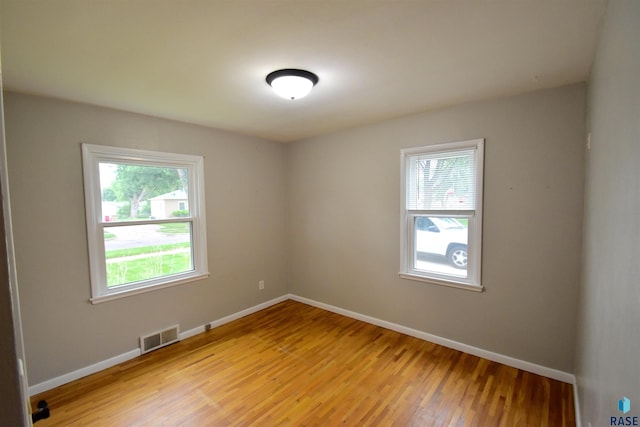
139,252
442,181
131,192
441,245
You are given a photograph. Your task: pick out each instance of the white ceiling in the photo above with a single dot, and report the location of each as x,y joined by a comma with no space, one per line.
204,61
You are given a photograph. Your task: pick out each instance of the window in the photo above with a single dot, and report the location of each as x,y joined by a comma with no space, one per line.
441,227
141,235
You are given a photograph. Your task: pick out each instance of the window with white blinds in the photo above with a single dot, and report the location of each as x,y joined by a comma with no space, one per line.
442,213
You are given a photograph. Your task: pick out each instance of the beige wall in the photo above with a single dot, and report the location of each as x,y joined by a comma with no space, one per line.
246,207
344,224
607,367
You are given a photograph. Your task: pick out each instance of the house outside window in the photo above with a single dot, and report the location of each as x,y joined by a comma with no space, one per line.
139,237
441,219
169,204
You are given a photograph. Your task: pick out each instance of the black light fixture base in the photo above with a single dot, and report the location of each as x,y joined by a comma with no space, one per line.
292,72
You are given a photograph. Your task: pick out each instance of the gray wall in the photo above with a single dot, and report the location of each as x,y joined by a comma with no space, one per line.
344,224
607,367
246,208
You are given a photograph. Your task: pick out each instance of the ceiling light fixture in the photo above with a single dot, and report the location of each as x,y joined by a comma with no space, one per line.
291,83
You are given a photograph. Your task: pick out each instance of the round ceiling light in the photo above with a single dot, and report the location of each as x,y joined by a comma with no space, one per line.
291,83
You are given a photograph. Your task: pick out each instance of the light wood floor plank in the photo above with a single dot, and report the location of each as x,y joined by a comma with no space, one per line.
297,365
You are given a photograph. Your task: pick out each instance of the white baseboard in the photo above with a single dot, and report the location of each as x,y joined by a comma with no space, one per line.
495,357
97,367
576,403
234,316
82,372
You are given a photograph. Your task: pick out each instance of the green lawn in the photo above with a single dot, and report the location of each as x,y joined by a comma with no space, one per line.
148,262
119,253
175,228
135,270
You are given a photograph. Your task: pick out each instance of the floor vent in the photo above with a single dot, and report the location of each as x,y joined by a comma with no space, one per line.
159,339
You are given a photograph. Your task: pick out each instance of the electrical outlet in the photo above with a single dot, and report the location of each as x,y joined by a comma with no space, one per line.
207,327
261,285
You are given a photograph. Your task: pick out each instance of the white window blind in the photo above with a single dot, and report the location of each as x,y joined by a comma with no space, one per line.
442,181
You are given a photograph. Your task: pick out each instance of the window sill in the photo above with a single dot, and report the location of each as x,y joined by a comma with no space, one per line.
439,282
130,292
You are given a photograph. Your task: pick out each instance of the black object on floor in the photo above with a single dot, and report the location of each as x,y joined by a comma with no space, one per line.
42,412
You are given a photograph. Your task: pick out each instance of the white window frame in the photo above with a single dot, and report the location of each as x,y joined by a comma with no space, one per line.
474,244
92,156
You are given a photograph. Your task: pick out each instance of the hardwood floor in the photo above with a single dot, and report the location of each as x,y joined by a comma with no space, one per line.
297,365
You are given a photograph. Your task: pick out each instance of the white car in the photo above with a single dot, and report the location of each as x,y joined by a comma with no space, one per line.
442,236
